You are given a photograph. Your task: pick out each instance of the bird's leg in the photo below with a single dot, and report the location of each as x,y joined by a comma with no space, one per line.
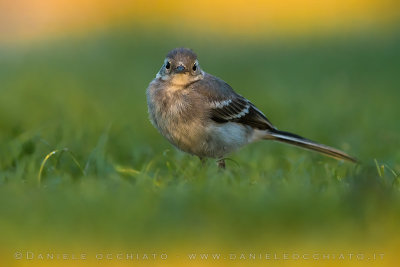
203,161
221,164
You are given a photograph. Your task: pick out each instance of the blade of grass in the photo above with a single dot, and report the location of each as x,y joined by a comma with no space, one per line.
126,170
52,153
378,168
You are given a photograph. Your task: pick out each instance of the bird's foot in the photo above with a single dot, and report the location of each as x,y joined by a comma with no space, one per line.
203,161
221,164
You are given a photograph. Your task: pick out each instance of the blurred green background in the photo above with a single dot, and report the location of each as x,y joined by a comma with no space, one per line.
121,184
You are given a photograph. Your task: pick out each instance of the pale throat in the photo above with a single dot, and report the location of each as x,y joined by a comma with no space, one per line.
179,81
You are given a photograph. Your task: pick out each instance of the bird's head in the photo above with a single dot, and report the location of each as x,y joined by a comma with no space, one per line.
181,67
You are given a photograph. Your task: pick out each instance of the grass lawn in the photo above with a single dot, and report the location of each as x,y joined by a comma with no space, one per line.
119,183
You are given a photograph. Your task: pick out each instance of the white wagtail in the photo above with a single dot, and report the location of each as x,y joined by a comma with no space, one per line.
202,115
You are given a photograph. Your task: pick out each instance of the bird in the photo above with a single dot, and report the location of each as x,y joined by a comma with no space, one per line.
202,115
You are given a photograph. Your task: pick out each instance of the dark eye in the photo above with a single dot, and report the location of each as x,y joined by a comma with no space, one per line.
194,68
168,65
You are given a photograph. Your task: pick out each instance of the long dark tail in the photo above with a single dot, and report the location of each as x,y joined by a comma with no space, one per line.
297,140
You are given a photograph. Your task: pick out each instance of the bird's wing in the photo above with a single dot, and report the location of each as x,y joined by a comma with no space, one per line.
227,106
240,110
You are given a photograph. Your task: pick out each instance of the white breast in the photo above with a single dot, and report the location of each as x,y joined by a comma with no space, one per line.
224,138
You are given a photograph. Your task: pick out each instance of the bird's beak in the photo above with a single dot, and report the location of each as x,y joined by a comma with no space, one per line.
180,69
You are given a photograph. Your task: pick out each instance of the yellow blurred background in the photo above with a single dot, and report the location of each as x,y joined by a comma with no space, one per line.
27,20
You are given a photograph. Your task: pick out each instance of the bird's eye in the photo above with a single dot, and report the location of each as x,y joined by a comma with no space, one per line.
194,68
168,65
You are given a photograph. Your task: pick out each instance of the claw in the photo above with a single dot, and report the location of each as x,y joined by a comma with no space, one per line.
221,164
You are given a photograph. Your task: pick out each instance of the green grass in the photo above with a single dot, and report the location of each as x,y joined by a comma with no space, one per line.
119,182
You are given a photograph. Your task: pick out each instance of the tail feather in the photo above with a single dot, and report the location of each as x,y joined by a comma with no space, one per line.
297,140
